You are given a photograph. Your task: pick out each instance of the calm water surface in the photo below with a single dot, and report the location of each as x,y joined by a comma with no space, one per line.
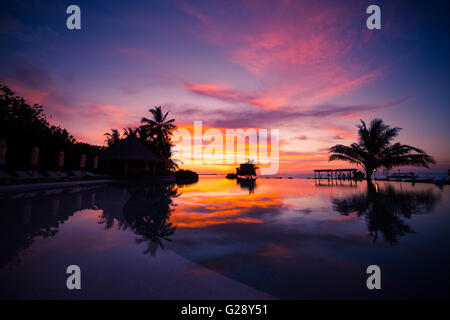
216,239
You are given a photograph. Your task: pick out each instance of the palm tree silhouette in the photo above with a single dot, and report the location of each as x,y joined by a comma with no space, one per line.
147,213
130,132
159,130
113,137
158,126
142,134
374,149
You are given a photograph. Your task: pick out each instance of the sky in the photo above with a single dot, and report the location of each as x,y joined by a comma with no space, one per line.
308,68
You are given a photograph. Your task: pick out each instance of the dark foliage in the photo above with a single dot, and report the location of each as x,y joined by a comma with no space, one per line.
186,176
25,126
247,169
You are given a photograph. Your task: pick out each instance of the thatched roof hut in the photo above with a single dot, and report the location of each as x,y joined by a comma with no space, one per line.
130,150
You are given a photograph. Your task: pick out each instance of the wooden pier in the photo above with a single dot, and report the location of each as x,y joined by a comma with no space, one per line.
334,176
338,174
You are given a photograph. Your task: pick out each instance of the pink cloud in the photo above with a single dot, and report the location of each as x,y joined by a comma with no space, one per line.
49,97
342,133
102,111
99,118
260,99
87,121
298,52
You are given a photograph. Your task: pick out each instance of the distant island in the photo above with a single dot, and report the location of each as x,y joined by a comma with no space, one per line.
245,171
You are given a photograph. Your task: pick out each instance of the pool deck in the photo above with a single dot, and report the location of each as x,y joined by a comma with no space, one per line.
14,188
120,273
24,187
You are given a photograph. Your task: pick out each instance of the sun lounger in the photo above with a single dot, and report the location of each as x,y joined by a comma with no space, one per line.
36,175
4,174
23,175
53,174
93,175
57,175
26,195
65,175
5,177
30,176
79,174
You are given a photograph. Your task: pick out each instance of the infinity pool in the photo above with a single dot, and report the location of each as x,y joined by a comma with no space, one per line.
216,239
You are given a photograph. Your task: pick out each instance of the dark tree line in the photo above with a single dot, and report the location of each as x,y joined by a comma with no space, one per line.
24,126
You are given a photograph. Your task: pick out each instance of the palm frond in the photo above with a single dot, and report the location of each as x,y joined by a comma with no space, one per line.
375,149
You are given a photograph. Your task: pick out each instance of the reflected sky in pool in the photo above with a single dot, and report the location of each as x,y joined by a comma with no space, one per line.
216,239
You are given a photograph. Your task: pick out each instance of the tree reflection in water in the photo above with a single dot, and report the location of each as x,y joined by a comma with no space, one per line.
247,184
385,207
29,215
146,213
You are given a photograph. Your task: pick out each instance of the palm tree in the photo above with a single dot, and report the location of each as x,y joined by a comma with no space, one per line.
113,137
374,149
130,132
160,131
142,134
160,128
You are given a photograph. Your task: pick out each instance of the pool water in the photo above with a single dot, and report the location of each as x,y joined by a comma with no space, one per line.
219,239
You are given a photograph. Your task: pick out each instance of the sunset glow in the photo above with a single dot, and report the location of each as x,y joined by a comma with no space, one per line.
309,68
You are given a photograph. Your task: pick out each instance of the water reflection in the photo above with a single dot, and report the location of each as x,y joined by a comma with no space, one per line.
247,184
144,209
336,182
23,219
285,236
385,207
146,213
